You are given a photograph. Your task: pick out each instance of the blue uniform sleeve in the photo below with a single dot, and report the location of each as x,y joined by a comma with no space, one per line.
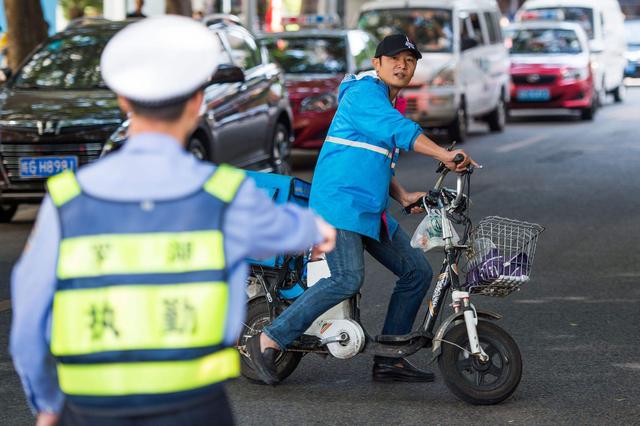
257,228
33,285
367,108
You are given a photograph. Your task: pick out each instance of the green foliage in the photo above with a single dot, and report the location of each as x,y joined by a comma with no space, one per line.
76,8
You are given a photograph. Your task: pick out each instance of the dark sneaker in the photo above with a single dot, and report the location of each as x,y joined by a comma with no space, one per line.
400,371
263,362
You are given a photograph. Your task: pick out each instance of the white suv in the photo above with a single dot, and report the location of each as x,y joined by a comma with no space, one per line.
464,71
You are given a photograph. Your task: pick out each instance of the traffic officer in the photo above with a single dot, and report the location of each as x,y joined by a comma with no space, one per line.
353,179
130,294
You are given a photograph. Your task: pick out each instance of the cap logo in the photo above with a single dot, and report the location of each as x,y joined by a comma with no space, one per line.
409,44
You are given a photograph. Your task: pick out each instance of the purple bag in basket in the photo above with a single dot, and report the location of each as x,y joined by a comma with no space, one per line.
517,266
491,266
487,270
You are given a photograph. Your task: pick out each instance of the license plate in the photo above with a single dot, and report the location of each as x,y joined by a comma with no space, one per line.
630,69
46,166
534,95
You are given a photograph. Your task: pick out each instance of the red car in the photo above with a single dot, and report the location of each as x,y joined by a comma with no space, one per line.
550,68
315,62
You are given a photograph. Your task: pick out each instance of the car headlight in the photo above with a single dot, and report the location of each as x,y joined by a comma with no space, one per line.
320,103
116,140
445,77
575,74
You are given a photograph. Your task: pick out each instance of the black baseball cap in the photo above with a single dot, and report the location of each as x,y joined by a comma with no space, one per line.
396,43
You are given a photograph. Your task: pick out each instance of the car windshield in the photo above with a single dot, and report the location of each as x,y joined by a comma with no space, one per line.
431,29
71,62
313,55
581,15
545,41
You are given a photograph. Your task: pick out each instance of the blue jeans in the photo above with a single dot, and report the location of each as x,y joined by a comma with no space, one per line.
346,263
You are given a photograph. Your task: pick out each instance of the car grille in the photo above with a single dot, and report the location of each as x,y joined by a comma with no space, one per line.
11,154
531,79
412,105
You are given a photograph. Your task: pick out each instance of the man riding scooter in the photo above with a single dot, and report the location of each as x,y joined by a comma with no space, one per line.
351,186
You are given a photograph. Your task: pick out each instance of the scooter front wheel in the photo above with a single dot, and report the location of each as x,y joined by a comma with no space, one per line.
474,381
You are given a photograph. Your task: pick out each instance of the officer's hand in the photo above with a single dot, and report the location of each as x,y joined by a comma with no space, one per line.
460,167
47,419
412,197
328,243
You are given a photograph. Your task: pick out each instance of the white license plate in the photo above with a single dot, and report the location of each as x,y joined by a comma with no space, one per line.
46,166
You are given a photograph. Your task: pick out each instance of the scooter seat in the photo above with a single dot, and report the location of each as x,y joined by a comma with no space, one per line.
399,338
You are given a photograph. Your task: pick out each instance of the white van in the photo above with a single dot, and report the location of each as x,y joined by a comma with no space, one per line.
603,22
464,71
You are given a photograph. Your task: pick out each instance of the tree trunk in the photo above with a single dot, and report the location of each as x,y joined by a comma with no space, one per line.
26,28
178,7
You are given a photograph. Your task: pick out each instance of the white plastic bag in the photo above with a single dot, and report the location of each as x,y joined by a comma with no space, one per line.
428,234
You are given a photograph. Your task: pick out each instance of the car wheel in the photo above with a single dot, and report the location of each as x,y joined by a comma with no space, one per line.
281,150
197,148
7,211
498,117
458,129
619,94
588,113
601,96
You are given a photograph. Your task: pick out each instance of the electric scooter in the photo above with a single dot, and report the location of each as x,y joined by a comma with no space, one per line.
479,361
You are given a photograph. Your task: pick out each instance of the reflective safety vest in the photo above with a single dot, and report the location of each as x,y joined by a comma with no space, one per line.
141,302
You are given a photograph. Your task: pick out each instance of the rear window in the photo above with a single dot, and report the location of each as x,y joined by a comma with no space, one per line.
71,62
317,55
545,41
431,29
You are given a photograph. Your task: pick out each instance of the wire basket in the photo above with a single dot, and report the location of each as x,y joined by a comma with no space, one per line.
501,256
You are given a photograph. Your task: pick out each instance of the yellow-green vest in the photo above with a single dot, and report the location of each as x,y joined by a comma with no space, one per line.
141,302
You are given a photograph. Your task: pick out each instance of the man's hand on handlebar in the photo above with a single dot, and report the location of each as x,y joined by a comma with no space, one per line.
449,158
411,202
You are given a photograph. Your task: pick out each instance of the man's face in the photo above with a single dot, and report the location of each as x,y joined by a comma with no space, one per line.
396,71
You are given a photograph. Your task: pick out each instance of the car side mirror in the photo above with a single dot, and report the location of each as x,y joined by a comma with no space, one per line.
227,73
6,74
596,46
468,43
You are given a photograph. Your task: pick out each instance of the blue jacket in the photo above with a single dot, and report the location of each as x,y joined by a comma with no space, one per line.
351,182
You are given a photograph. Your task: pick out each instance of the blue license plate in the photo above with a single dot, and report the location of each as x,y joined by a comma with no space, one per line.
46,166
630,69
536,95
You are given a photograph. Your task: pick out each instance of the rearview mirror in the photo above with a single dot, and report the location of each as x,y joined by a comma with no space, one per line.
596,46
5,74
227,73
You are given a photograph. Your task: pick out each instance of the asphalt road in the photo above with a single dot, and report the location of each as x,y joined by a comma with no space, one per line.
576,323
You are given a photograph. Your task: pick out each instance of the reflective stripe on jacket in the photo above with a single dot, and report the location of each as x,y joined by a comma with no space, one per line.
142,296
351,181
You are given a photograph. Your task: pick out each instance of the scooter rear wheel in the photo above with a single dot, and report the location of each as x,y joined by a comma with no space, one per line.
470,379
257,319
